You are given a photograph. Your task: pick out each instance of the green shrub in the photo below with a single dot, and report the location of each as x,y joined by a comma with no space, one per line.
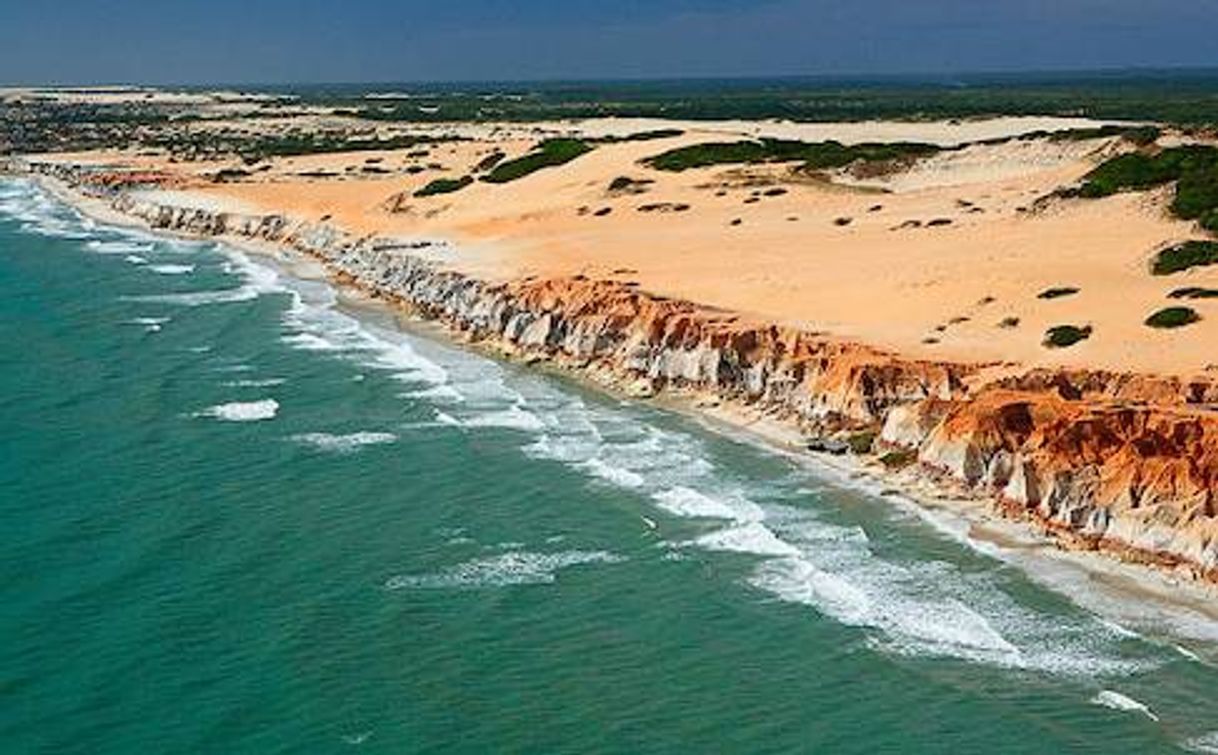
628,184
444,186
899,459
813,155
861,442
1184,256
1061,336
547,154
643,136
1173,317
1194,292
1057,292
489,161
1194,168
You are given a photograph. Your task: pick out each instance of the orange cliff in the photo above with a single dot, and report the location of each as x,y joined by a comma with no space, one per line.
1120,462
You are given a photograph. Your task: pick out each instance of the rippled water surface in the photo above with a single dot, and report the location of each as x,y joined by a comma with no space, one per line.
238,519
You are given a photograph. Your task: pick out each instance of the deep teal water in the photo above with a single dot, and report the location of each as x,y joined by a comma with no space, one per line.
237,519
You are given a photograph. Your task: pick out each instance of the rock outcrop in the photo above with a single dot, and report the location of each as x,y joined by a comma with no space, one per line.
1122,463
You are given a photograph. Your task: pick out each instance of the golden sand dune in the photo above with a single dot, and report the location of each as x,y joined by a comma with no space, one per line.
943,259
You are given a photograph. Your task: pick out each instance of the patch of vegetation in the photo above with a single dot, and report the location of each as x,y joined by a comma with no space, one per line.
643,136
1173,317
1194,168
1184,256
663,207
812,155
1057,292
1139,135
547,154
626,184
224,175
444,186
899,459
489,161
861,442
1061,336
1009,322
1171,96
1194,292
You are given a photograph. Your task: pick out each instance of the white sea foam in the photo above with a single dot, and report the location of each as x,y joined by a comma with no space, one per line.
117,247
505,569
255,383
1187,653
166,269
135,259
436,393
149,324
1115,700
344,444
257,280
1207,743
688,502
513,418
620,476
446,419
243,411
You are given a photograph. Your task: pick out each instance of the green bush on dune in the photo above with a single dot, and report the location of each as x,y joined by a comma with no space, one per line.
444,186
547,154
813,155
1194,168
1181,257
1173,317
1061,336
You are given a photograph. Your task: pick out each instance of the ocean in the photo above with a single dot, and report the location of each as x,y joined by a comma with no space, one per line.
241,517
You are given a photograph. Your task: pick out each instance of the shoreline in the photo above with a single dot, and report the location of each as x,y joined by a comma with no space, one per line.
983,528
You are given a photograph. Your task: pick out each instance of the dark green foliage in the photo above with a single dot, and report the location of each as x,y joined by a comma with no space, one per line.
1194,292
1139,135
899,459
1183,256
643,136
1173,317
861,442
813,155
628,184
1061,336
489,161
444,186
1057,293
1175,97
1194,168
547,154
1197,193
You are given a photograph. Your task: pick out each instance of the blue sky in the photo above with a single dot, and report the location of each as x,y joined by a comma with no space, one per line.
283,41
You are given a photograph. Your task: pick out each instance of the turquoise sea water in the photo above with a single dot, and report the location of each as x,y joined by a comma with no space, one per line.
235,518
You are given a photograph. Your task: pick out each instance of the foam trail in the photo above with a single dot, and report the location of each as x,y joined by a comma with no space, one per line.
344,444
255,383
1115,700
243,411
172,269
503,570
150,324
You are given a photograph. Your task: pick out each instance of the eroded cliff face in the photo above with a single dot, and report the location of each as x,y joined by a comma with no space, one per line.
1123,463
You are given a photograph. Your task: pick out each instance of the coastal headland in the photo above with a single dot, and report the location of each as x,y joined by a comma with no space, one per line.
991,308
